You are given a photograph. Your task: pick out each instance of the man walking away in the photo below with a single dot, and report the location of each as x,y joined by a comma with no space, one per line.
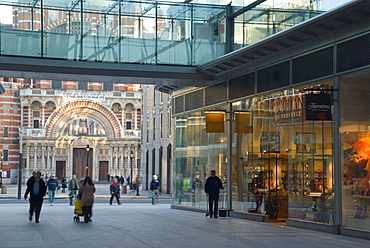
115,191
73,186
212,189
37,190
52,187
122,180
154,187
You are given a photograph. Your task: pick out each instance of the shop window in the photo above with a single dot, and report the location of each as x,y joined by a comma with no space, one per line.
355,160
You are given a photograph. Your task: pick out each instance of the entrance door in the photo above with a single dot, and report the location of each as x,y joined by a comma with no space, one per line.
103,170
82,162
60,169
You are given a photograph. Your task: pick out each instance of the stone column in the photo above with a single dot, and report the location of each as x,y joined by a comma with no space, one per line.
42,115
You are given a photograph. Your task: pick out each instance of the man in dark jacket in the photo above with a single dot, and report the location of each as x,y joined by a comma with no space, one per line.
155,184
212,189
37,190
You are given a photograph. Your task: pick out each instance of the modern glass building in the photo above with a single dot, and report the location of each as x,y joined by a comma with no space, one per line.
295,140
287,79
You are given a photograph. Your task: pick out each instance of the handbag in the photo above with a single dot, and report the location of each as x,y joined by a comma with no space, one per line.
151,195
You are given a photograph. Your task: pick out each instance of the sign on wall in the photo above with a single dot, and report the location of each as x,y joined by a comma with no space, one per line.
215,121
318,107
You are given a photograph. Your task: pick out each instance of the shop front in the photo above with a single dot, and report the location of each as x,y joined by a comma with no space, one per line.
281,163
296,139
283,166
355,152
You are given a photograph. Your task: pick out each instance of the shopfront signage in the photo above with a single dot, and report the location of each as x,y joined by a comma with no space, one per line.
243,122
318,107
286,109
215,121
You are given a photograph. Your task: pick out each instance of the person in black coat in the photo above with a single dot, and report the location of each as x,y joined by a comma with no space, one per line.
212,189
37,190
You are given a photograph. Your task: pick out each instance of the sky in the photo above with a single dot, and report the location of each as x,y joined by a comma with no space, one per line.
6,15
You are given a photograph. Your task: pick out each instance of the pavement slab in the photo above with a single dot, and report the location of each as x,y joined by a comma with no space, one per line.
144,225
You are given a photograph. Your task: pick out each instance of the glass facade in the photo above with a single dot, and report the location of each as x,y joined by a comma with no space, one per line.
273,16
196,154
355,140
281,163
145,32
138,32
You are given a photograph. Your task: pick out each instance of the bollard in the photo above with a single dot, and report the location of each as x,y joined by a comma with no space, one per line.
3,190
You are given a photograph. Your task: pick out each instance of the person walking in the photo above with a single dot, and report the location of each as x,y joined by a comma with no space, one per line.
64,184
108,178
52,187
212,189
122,180
73,186
154,187
137,182
86,192
37,190
115,191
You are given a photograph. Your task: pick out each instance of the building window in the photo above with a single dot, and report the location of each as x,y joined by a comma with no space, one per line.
128,125
6,155
6,132
36,123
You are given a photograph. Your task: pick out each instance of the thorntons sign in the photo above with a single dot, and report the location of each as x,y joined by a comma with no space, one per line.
318,107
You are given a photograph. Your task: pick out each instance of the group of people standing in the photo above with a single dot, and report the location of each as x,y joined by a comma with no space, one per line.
36,188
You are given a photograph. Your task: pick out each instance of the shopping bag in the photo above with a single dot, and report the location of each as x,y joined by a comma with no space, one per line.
78,208
151,195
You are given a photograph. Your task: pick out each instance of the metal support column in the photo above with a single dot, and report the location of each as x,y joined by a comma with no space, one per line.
229,29
229,155
337,157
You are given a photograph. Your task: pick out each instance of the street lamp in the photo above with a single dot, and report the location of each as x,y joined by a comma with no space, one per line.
132,155
1,170
20,165
87,160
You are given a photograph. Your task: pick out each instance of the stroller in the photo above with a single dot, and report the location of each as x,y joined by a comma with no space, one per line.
78,210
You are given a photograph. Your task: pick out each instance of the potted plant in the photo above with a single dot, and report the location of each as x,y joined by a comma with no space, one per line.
272,208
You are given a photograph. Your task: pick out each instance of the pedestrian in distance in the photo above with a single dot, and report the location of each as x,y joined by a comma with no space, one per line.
73,186
154,187
212,189
108,178
86,193
122,180
137,182
64,184
128,180
37,190
52,185
31,177
115,189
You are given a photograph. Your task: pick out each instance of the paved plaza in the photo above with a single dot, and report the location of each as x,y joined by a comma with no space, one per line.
137,223
143,225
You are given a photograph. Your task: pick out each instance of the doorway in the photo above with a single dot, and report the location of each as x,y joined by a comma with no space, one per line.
82,162
60,169
103,170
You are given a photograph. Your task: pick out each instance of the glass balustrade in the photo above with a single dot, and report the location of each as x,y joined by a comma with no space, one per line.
144,32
